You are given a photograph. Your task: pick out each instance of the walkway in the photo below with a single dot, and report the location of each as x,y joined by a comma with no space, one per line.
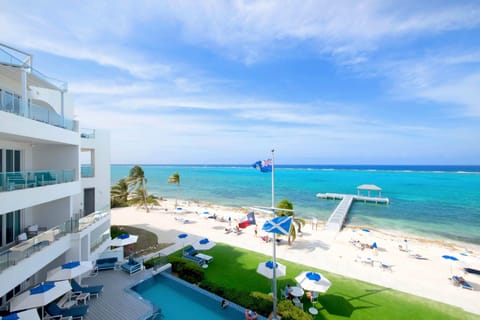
117,301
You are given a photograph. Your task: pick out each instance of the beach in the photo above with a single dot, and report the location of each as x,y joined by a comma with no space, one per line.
403,262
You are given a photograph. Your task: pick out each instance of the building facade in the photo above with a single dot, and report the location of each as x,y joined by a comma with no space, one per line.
54,178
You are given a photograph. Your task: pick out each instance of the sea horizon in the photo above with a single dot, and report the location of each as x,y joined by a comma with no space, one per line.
434,201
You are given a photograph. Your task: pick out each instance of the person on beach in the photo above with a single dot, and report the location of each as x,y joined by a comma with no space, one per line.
229,221
314,223
256,231
224,304
250,315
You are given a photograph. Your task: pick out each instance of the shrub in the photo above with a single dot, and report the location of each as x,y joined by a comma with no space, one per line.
258,301
186,270
156,261
288,311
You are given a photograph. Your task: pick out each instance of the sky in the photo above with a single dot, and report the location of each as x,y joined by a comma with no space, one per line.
224,82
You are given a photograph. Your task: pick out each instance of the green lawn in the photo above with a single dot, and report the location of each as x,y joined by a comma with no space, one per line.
347,298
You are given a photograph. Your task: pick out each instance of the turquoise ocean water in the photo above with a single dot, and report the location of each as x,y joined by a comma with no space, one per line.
434,201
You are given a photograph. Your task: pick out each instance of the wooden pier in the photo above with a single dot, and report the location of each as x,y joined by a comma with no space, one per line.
339,215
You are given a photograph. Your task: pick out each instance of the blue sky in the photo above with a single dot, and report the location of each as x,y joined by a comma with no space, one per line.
209,82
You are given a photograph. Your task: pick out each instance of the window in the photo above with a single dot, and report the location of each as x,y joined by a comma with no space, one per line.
12,226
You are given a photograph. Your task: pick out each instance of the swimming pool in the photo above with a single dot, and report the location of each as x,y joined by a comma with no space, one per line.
179,300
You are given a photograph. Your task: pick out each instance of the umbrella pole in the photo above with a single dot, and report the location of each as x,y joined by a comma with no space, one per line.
274,258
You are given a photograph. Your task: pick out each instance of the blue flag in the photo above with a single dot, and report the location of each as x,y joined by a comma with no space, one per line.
264,165
279,225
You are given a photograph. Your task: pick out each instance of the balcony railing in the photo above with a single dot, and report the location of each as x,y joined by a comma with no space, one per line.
35,112
87,133
99,241
10,181
26,248
87,221
87,171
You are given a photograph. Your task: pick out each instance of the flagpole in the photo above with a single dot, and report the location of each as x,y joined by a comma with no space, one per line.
274,258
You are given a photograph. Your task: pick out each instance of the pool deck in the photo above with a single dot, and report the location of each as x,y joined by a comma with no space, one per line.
117,301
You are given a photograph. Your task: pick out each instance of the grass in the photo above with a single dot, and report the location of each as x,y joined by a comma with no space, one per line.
346,298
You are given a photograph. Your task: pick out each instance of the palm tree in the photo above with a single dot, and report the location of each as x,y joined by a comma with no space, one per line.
138,183
297,223
139,196
119,193
175,178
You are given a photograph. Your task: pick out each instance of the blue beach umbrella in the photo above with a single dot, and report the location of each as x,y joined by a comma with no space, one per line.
30,314
40,295
204,244
69,270
313,281
450,259
124,239
266,269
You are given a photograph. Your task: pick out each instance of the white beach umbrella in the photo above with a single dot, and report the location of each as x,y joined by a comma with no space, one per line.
69,270
204,244
40,295
124,240
266,269
313,281
30,314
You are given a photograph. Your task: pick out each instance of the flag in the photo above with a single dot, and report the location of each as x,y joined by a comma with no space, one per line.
249,222
279,225
264,165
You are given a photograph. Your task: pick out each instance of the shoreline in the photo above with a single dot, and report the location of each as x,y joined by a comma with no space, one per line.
322,249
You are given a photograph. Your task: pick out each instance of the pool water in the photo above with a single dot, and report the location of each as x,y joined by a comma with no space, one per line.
179,301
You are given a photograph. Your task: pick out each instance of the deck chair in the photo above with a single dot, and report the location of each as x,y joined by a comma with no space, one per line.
76,312
460,281
131,266
93,290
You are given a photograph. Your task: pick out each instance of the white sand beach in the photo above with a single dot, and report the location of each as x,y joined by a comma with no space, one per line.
420,270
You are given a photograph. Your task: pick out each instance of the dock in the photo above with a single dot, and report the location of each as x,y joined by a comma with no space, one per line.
339,215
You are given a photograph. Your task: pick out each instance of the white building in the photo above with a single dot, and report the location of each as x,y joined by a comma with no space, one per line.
53,208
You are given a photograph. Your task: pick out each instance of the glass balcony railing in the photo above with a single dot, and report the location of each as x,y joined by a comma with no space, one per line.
10,181
99,241
87,171
87,221
12,104
26,248
87,133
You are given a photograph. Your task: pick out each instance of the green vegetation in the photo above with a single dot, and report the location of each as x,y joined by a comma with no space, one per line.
234,271
175,178
132,190
297,223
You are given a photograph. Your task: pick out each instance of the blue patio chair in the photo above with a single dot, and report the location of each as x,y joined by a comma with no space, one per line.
93,290
76,312
131,266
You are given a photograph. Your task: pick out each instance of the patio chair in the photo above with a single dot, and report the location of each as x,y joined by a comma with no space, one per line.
386,267
93,290
76,312
131,266
460,281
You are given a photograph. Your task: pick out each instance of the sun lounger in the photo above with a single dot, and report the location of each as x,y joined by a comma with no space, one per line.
76,312
93,290
461,282
386,267
190,253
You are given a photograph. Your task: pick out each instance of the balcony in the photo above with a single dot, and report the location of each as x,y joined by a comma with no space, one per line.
87,133
10,103
25,249
10,181
87,171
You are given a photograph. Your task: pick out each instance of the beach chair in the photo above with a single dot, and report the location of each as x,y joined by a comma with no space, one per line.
461,282
93,290
76,312
131,266
386,267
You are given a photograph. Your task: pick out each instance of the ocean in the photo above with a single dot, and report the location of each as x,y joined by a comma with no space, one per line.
434,201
